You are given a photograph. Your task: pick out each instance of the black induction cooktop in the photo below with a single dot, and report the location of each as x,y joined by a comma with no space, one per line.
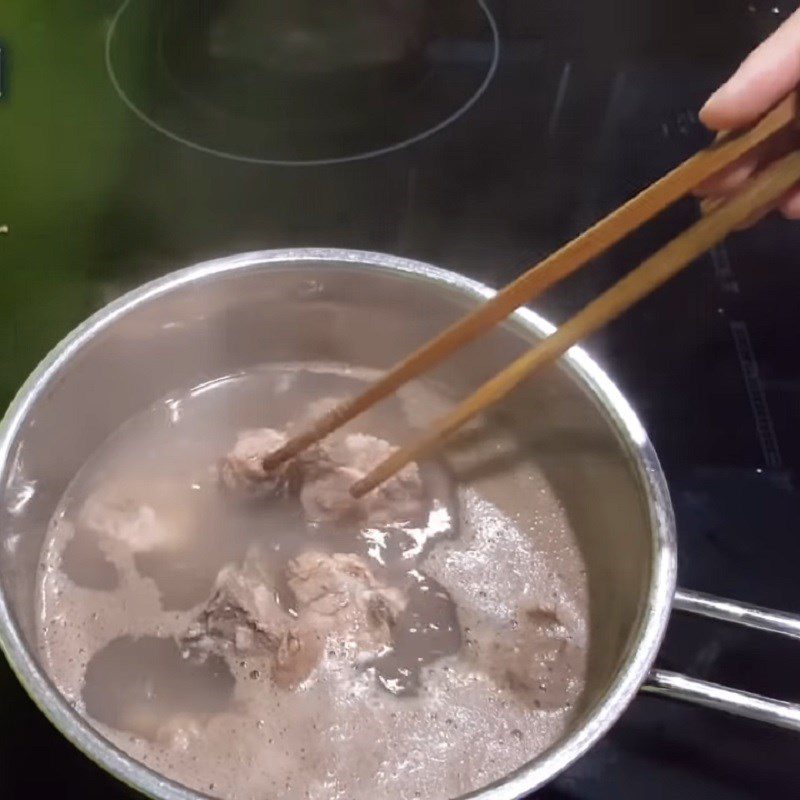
139,137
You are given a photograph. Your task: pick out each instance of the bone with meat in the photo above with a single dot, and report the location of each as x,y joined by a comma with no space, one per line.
322,477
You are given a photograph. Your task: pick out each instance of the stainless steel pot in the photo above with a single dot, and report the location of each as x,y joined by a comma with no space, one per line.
221,316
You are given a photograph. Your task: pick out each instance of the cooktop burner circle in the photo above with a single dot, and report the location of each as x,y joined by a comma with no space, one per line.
296,83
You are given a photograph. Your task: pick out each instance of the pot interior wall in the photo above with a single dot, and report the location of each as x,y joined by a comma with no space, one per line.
330,311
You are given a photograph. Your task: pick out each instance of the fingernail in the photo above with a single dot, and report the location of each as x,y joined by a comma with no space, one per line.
715,98
724,96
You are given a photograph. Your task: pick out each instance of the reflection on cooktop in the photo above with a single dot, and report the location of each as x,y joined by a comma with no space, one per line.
299,82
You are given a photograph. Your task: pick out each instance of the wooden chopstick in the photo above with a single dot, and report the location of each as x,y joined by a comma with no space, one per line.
594,241
649,275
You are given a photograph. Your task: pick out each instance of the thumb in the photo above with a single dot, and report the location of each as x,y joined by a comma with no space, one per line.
771,71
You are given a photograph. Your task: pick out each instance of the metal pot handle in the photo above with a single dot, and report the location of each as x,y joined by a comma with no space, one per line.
744,704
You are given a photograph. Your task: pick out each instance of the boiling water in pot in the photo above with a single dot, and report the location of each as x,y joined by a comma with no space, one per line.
248,635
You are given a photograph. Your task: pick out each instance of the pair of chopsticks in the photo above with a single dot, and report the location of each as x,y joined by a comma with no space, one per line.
761,193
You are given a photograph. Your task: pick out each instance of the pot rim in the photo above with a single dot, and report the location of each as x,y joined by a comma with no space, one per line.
641,651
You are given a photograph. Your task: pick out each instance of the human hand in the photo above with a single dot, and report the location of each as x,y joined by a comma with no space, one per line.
769,73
